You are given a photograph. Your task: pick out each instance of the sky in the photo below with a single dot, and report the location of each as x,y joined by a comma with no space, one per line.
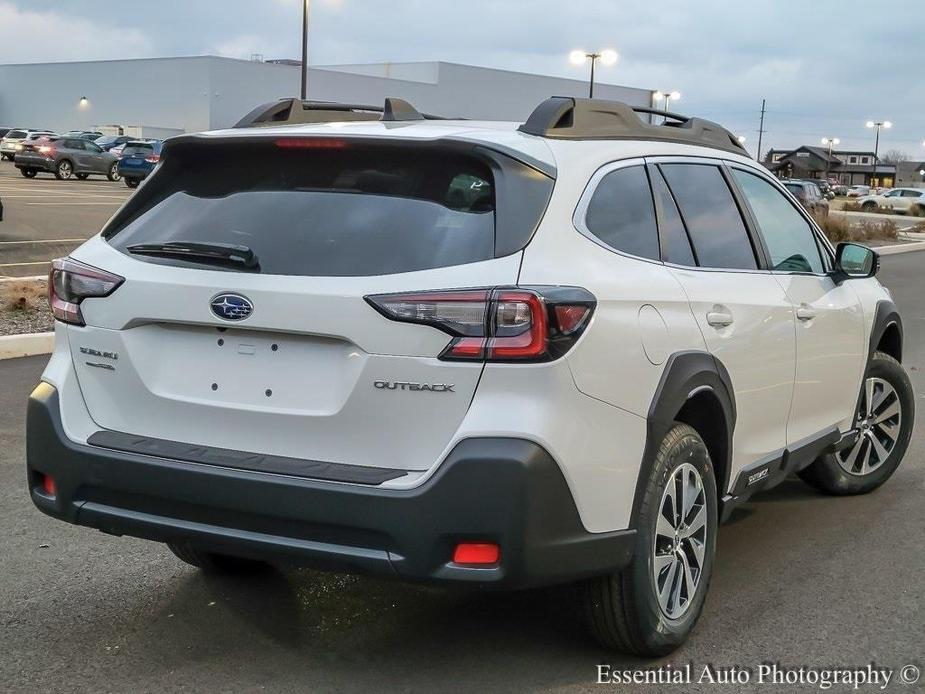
825,67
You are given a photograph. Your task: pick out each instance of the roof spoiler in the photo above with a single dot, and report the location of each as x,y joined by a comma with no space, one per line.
292,111
568,118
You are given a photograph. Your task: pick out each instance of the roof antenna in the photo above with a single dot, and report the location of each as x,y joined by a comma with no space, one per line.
399,110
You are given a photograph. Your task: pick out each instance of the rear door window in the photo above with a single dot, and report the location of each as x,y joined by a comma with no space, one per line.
711,216
335,211
676,246
621,214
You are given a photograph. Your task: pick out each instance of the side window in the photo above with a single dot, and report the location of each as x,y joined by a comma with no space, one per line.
676,247
74,144
911,194
621,213
711,216
786,233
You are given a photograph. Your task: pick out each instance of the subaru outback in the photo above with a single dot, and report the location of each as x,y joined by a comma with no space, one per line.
493,354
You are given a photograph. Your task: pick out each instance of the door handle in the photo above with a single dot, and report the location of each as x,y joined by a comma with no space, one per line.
719,319
805,313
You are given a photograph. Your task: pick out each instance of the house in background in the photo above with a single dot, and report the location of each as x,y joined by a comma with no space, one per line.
849,168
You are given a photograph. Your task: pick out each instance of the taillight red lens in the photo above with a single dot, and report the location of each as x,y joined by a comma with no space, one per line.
153,158
535,324
476,553
70,282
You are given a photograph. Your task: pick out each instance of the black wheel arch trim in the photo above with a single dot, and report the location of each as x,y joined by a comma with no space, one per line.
886,316
685,375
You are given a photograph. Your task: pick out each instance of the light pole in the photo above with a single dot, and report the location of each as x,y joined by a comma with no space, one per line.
831,142
877,124
305,9
606,56
666,95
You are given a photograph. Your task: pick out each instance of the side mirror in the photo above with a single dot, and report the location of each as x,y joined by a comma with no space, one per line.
854,261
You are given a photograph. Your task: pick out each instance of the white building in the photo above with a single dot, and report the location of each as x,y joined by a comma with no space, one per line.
172,95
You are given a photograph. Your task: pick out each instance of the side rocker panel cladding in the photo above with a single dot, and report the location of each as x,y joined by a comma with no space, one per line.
685,374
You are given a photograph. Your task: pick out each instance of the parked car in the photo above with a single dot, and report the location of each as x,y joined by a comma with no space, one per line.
824,188
900,200
840,190
810,197
13,140
3,132
138,159
858,191
83,134
489,357
107,142
66,156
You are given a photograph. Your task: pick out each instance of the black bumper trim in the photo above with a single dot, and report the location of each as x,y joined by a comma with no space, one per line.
242,460
502,490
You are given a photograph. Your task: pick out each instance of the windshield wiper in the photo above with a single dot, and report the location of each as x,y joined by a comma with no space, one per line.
216,253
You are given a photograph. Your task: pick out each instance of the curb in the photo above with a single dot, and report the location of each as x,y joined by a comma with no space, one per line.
901,248
14,346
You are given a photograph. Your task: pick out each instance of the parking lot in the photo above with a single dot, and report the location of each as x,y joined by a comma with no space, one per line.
45,218
800,579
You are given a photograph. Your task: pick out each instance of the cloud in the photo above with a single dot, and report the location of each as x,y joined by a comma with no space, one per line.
30,36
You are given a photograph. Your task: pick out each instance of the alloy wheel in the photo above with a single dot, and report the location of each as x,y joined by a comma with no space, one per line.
878,422
64,168
680,541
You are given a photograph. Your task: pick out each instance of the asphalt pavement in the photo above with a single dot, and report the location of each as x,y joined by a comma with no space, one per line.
45,218
801,580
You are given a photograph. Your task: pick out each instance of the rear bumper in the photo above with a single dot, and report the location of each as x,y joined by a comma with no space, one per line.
27,161
506,491
140,173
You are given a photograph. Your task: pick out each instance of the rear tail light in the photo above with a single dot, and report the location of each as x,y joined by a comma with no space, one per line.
481,553
70,282
500,325
153,158
47,150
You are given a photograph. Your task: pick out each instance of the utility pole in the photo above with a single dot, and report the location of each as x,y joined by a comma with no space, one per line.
305,49
761,130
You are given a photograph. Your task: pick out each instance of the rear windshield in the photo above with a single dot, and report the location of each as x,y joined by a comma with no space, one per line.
350,210
16,134
136,148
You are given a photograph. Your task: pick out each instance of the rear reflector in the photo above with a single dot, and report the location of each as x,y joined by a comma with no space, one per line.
501,325
48,485
476,553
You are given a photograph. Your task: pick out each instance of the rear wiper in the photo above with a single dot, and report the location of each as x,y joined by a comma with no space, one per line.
220,253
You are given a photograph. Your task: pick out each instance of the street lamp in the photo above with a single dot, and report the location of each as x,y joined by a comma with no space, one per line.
831,142
877,124
606,56
666,95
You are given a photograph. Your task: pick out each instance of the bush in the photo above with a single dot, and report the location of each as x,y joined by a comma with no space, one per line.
839,228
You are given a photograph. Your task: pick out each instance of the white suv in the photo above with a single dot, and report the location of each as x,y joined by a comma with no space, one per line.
478,353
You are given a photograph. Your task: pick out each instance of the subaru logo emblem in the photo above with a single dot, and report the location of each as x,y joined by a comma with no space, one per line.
231,306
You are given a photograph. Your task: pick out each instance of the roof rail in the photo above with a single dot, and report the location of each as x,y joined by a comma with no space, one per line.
291,111
567,118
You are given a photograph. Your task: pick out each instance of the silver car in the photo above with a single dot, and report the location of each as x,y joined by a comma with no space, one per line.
12,142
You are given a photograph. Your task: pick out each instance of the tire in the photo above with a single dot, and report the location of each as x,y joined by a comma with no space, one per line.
624,610
830,473
28,173
131,182
64,169
113,173
211,562
869,207
4,156
82,176
917,211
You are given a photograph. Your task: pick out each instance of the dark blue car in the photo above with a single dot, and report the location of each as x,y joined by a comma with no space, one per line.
139,157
